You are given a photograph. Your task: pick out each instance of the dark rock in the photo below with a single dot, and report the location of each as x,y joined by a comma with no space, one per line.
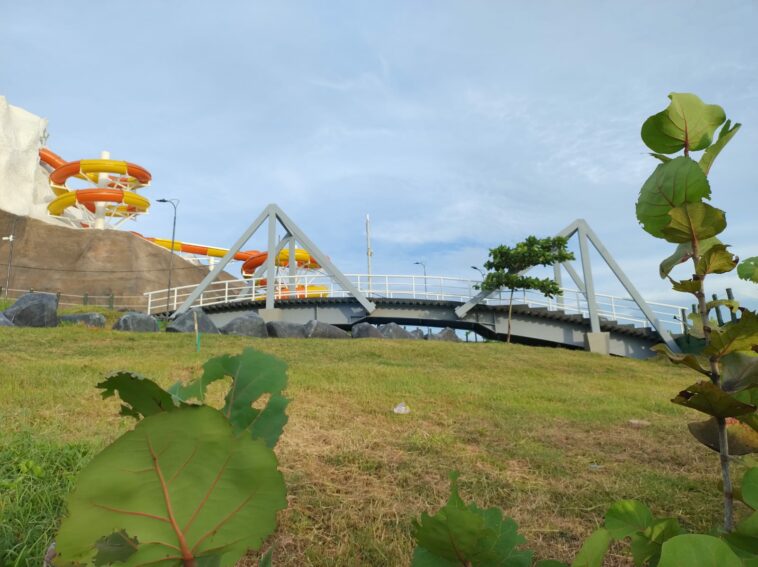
394,331
366,331
88,319
446,334
34,309
138,322
248,325
319,330
285,330
5,322
418,334
185,323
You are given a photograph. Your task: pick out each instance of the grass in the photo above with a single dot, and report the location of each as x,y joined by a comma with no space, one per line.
542,433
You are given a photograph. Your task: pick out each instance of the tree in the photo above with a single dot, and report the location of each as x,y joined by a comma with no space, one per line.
506,266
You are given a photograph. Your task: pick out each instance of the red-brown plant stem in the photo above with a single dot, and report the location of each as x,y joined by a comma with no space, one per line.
716,379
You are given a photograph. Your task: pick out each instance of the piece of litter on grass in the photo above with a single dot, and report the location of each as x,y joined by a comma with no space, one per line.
402,409
638,423
595,467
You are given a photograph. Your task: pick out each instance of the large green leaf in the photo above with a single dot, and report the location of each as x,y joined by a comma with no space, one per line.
115,548
708,398
749,488
716,260
460,534
748,269
697,364
687,123
739,370
626,517
683,253
697,550
672,184
742,439
726,134
646,545
141,396
694,220
734,336
594,549
254,375
180,479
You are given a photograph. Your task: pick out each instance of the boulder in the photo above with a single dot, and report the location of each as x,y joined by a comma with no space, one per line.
5,322
185,323
34,309
138,322
285,330
319,330
87,319
249,325
446,334
394,331
366,331
418,334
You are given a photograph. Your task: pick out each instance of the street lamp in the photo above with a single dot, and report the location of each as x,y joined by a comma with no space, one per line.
426,292
10,238
174,203
478,270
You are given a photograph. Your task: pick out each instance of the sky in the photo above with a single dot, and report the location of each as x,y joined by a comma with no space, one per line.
458,126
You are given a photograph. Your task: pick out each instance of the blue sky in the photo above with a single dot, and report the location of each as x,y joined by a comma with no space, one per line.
457,125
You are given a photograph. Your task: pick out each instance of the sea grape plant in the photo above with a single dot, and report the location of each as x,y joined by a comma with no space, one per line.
672,206
190,485
506,267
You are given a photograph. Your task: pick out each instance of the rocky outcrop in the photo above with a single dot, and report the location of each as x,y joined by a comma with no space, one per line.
5,322
34,310
446,334
95,320
320,330
137,322
366,331
185,323
250,325
394,331
285,330
417,334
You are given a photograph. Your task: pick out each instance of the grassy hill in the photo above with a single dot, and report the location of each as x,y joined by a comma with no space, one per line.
542,433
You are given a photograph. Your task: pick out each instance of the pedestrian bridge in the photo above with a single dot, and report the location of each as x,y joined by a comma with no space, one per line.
434,301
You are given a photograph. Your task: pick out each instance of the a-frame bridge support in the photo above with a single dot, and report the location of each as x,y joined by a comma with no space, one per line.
596,339
275,216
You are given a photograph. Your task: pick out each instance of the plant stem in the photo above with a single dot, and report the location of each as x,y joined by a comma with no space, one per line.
189,563
716,379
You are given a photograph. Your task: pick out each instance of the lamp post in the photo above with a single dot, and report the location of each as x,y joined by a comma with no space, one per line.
478,270
426,291
174,203
10,239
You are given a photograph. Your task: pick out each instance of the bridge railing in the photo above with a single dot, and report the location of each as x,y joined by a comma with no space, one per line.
398,286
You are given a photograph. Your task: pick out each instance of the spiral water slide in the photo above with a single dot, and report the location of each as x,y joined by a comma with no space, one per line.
113,195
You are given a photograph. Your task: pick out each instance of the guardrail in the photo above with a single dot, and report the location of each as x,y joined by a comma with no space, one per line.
439,288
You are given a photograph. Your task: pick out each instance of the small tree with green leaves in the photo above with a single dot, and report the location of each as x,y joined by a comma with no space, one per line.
507,265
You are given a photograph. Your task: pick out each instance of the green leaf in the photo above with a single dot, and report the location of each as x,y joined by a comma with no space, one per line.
672,184
734,336
739,371
221,490
663,158
689,360
687,123
646,545
626,517
141,396
710,154
708,398
748,526
683,253
716,260
458,533
743,440
694,220
731,304
748,269
685,286
115,548
594,549
265,560
750,488
254,375
550,563
697,550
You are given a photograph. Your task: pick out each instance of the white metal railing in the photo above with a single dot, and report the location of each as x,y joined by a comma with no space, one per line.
395,286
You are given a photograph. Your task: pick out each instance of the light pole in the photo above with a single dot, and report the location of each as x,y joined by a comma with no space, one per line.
10,239
426,292
174,203
478,270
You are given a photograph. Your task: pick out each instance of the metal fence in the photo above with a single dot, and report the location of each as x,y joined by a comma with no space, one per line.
131,302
